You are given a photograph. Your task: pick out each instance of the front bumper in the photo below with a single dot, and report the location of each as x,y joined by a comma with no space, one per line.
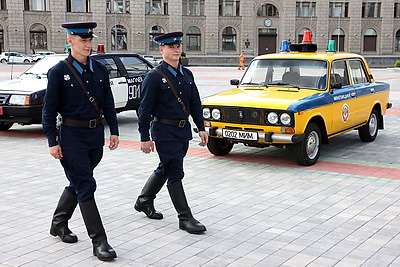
21,114
263,137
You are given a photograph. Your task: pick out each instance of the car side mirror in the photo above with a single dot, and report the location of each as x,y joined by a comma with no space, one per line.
336,85
234,82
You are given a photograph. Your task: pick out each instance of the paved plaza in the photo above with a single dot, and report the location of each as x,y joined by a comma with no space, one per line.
259,207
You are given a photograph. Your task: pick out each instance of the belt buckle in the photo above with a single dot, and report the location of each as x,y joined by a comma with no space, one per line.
182,123
92,123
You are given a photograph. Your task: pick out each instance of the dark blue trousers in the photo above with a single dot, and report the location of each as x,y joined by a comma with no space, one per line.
171,154
78,166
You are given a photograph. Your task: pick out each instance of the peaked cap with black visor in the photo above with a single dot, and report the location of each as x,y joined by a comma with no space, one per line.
171,38
84,29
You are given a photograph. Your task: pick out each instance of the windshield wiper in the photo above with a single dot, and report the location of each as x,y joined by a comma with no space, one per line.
284,84
257,84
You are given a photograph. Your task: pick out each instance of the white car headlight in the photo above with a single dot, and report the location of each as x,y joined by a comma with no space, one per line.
206,113
216,114
272,118
18,100
285,119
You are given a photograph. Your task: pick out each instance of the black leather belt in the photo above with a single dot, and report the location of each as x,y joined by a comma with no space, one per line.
179,123
84,124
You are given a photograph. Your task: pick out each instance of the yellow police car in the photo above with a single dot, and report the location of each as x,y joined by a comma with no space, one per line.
297,99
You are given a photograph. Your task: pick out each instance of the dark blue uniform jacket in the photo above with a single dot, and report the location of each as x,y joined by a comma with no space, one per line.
158,100
65,96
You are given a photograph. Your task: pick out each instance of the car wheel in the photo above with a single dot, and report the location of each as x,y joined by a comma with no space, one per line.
307,152
4,126
369,131
3,60
218,146
26,61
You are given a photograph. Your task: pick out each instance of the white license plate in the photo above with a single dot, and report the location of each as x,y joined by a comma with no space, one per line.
242,135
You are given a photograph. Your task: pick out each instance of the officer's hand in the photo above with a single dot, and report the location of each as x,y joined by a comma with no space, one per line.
204,138
147,146
114,141
56,152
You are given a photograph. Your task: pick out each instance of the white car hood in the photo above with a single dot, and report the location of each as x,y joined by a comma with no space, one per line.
23,85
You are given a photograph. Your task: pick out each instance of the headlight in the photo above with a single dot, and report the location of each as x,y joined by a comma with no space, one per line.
285,119
19,100
272,118
206,113
216,114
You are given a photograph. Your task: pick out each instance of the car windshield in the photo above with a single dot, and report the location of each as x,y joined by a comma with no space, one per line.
42,66
297,73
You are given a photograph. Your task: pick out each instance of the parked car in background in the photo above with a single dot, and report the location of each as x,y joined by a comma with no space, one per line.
152,59
14,57
39,55
21,99
297,99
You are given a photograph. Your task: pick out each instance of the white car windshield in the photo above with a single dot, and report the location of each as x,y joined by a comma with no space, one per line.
298,73
42,66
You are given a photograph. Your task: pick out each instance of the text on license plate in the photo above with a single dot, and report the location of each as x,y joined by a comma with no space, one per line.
242,135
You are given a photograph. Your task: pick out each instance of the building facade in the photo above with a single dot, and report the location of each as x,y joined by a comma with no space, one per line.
211,27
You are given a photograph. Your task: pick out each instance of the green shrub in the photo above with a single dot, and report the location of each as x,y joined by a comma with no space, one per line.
397,64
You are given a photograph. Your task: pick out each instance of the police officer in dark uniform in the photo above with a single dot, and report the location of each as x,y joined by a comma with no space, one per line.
164,113
79,141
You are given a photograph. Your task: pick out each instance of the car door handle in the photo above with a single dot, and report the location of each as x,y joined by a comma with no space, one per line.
122,82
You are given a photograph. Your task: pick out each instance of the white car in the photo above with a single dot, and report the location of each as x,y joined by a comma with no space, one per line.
21,99
152,59
14,57
39,55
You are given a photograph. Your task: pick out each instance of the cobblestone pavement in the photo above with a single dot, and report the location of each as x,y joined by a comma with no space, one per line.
260,208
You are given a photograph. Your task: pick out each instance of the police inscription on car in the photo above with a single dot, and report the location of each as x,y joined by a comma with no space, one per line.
134,87
242,135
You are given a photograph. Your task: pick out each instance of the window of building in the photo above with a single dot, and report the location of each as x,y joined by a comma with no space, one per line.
370,38
1,39
229,39
118,6
193,7
3,5
36,5
78,6
338,9
338,35
371,9
301,33
193,39
267,10
229,8
38,36
305,9
155,31
397,44
119,37
156,7
397,10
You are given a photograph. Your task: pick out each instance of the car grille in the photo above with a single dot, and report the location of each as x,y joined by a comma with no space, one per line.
243,115
3,99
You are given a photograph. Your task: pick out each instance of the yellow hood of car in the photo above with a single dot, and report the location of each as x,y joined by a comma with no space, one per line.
259,97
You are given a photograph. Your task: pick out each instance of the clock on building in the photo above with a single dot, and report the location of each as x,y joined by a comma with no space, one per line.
267,22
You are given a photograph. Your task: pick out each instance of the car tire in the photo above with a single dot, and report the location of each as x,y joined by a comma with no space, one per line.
4,126
3,60
27,61
219,146
307,152
369,131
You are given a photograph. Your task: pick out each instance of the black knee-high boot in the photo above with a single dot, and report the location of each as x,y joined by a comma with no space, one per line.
186,220
59,225
96,231
145,201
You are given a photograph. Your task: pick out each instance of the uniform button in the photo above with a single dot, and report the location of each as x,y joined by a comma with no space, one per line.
87,81
179,82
